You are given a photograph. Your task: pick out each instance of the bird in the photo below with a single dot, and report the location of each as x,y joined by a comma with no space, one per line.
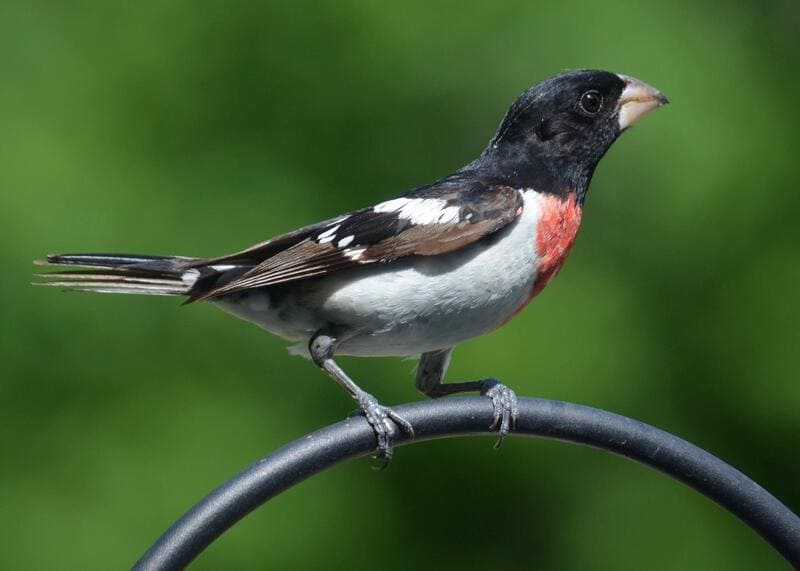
416,274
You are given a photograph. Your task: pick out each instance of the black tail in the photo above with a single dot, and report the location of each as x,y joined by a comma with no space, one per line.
121,273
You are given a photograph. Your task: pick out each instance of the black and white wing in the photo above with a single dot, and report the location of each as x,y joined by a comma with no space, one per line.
426,222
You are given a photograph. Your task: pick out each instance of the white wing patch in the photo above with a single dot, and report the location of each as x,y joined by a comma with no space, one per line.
420,210
329,235
345,241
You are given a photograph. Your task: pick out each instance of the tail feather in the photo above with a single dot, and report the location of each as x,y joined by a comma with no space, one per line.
120,273
107,260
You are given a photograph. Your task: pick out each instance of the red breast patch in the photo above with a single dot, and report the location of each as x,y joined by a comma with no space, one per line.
555,234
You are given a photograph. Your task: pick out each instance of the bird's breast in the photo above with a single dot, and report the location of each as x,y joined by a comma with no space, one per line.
559,219
556,231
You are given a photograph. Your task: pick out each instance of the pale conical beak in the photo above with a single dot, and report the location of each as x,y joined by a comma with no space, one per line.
637,99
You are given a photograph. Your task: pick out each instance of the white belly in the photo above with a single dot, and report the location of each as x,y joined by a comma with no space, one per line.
414,305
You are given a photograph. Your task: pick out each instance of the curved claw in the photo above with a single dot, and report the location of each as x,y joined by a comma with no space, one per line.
506,408
385,423
403,424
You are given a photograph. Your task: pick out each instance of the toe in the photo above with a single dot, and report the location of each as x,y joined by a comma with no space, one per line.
506,408
385,424
402,423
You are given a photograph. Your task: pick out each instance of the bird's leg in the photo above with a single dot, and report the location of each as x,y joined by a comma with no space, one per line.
383,420
430,374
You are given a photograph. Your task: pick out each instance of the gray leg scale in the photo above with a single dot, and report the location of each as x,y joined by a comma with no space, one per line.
383,420
430,377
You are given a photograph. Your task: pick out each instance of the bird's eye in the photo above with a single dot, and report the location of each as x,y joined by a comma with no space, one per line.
590,102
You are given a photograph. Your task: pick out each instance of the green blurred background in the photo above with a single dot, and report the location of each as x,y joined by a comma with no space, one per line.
198,128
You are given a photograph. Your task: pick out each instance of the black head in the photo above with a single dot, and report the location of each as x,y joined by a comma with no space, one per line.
556,132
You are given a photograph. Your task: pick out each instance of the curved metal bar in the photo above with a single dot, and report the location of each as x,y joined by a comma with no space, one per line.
442,418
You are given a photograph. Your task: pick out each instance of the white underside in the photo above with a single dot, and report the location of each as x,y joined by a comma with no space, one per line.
409,306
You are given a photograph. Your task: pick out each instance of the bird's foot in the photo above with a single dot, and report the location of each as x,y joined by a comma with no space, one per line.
385,423
506,408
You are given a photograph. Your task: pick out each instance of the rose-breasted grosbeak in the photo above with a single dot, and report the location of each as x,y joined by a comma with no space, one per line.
417,274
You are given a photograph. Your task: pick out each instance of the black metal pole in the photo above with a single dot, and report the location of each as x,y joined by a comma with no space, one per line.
352,438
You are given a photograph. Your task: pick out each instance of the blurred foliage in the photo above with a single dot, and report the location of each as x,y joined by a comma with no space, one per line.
201,127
